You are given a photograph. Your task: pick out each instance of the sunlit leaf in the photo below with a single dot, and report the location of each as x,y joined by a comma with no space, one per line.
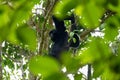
96,51
4,18
111,28
90,17
98,68
4,31
109,75
79,10
4,22
63,7
56,76
114,5
71,63
11,14
101,3
43,65
27,36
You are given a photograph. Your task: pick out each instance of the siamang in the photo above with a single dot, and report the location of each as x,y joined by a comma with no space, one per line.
59,36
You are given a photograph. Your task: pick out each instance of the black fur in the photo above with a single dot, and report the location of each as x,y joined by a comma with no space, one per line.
59,36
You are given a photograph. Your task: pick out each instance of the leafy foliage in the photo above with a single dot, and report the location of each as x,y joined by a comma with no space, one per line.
12,56
24,36
13,14
44,65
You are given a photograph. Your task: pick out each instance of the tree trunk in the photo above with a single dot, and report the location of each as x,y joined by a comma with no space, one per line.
89,72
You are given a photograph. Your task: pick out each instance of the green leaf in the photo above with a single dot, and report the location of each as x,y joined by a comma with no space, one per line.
98,68
27,36
65,6
114,5
9,63
22,12
4,18
91,14
4,31
56,76
111,28
71,63
95,51
43,65
102,3
114,2
19,11
74,40
4,22
71,34
78,76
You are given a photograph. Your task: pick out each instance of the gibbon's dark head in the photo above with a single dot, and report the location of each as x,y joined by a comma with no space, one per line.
75,43
59,24
52,35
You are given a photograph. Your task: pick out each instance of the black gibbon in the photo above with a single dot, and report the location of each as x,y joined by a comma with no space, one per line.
59,36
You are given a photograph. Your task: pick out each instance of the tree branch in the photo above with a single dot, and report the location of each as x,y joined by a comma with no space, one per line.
106,15
49,10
